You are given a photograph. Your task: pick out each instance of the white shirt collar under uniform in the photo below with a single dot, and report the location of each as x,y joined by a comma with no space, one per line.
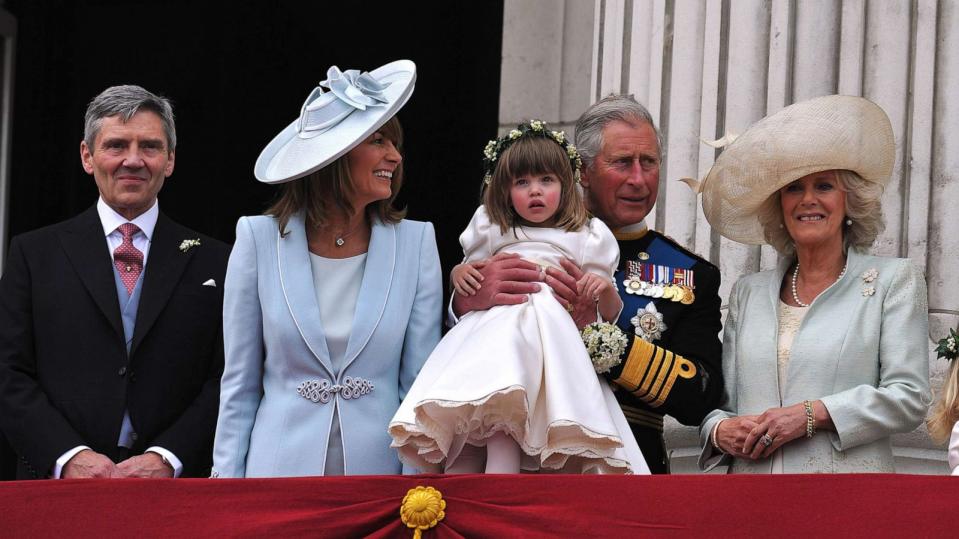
633,228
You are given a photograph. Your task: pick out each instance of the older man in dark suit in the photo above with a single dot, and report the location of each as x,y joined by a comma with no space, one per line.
111,344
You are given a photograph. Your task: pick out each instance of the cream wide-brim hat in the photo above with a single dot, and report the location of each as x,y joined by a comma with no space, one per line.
333,122
834,132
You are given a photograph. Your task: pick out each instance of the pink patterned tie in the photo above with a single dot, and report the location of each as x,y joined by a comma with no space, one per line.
127,258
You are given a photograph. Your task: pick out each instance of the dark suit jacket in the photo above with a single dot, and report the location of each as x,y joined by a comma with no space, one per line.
65,375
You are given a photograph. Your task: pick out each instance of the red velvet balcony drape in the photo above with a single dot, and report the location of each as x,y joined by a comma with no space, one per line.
489,506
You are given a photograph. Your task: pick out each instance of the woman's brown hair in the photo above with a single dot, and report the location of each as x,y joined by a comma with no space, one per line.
330,188
533,155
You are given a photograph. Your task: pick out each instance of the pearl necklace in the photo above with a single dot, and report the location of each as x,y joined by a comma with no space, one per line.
796,276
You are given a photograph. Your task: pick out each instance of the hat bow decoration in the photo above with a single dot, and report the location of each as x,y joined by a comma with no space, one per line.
349,91
339,114
728,138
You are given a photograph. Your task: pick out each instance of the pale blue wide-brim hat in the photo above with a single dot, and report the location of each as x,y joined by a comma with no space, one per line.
333,121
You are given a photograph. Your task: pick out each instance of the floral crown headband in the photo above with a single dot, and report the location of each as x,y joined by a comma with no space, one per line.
534,128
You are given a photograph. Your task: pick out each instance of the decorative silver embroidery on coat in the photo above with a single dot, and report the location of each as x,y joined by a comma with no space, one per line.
322,391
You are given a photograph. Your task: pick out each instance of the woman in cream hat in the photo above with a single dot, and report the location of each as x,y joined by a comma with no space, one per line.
825,357
332,299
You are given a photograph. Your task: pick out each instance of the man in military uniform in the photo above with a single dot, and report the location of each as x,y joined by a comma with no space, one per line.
672,364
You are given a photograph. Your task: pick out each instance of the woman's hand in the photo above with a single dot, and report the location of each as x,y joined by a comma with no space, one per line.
775,427
731,434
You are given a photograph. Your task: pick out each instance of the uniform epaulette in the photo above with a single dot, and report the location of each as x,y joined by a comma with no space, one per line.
684,250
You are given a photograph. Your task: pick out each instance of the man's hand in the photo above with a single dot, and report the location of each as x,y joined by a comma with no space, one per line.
88,464
147,465
507,280
582,307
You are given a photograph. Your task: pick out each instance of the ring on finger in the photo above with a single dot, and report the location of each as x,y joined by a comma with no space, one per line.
569,307
766,440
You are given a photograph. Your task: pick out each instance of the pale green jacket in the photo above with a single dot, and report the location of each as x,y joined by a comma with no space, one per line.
864,355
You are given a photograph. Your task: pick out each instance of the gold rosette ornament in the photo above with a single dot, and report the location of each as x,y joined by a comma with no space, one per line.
422,509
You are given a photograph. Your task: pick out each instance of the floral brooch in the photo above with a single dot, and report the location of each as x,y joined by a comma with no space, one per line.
186,245
868,277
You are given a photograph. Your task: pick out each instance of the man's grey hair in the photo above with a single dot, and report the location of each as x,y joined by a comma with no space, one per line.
589,127
125,101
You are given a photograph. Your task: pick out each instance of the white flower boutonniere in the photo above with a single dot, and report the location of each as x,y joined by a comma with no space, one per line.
186,245
604,343
948,346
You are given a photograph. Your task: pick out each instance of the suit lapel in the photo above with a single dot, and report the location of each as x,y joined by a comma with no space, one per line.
375,289
86,248
296,279
164,267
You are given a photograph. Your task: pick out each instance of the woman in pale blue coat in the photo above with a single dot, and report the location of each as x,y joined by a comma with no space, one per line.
332,301
824,357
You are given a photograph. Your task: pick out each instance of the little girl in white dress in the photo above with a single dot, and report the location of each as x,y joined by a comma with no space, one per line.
517,379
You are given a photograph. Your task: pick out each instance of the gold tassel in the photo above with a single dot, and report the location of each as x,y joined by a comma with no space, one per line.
422,509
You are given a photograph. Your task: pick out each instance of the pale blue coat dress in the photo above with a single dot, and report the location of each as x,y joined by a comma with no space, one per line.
279,385
862,349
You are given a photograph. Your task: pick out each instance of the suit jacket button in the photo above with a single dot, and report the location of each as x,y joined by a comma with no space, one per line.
133,377
122,371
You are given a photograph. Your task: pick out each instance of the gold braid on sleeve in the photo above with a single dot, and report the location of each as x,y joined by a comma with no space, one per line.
650,371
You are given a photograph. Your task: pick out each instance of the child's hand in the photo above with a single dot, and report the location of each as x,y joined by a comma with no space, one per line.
592,285
466,278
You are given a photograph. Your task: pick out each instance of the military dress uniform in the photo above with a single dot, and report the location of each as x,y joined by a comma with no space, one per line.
672,362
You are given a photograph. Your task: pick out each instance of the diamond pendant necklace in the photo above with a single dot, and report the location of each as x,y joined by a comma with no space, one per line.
796,276
339,240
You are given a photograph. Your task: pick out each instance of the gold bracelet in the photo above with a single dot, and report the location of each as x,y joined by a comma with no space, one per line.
810,421
713,435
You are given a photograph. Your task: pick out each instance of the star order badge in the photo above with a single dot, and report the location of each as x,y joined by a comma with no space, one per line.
649,323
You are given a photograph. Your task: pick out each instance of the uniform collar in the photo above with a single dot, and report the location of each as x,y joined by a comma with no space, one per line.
631,232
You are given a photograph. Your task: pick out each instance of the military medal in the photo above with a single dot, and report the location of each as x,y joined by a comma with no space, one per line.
633,285
656,291
668,291
648,323
654,281
677,293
